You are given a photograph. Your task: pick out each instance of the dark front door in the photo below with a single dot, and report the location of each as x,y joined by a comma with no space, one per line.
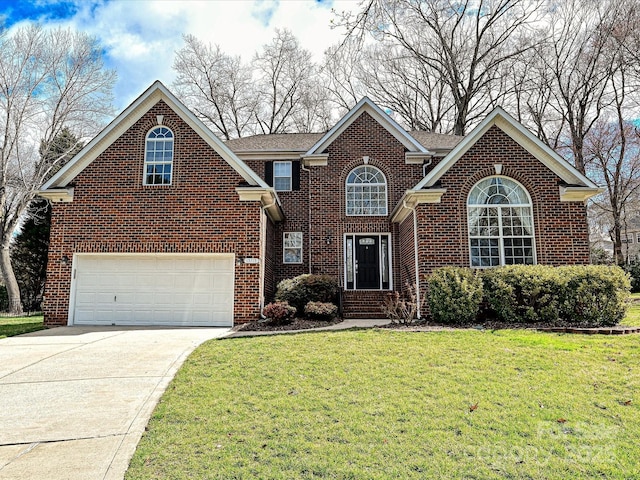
367,262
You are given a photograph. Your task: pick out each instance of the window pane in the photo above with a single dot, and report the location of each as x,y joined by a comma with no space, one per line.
384,246
500,223
349,259
158,156
282,184
282,169
292,247
366,192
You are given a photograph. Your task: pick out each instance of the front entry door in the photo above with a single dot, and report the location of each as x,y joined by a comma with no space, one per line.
367,262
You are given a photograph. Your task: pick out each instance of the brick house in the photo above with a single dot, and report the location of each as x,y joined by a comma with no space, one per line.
158,222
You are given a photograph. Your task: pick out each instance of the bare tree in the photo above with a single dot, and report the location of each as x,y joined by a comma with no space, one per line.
217,87
340,74
278,92
408,87
285,77
464,43
49,80
612,154
576,64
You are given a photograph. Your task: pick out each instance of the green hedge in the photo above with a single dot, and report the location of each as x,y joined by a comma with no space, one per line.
455,294
585,295
525,294
596,295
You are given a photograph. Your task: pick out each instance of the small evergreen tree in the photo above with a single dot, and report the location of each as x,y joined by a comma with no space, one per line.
30,247
29,254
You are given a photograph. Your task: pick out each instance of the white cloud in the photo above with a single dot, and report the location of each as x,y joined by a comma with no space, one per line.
140,37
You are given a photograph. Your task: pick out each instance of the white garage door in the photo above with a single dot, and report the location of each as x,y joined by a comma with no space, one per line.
184,290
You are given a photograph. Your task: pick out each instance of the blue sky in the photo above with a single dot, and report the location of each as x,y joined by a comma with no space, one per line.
140,37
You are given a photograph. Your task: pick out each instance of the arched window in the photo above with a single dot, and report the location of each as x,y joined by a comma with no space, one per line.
158,157
500,224
366,192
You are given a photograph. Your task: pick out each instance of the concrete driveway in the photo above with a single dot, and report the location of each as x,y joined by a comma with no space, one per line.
74,401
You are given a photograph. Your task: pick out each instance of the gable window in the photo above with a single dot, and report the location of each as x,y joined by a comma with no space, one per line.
282,176
158,157
500,224
366,191
292,247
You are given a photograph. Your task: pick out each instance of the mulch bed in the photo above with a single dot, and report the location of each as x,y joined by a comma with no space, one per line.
426,326
296,324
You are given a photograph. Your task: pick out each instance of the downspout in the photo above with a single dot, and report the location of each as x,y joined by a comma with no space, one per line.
263,251
309,214
415,254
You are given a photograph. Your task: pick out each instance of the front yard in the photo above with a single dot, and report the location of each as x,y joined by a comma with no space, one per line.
10,326
381,404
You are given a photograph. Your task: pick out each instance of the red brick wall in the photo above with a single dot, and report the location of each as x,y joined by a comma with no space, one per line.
325,185
364,137
112,211
295,206
561,232
407,252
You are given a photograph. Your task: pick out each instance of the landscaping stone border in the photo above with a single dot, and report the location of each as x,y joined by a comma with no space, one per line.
593,331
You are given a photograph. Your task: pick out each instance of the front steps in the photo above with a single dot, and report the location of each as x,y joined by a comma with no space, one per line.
363,304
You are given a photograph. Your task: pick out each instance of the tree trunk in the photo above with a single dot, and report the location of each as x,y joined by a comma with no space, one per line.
617,243
13,290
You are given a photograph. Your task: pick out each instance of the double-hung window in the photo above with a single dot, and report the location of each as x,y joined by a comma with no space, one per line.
292,247
282,176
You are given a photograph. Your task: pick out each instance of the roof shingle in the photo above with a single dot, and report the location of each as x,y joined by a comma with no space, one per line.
302,142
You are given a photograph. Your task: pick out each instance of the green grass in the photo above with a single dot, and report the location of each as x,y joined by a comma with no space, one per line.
10,326
633,313
378,404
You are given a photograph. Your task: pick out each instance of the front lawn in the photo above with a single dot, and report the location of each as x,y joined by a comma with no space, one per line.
10,326
379,404
633,313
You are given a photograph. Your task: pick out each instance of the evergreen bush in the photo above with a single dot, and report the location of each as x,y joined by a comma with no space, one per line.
454,295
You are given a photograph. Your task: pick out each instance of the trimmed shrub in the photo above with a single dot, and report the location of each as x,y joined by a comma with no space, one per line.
596,296
279,313
300,290
321,310
582,295
454,295
525,293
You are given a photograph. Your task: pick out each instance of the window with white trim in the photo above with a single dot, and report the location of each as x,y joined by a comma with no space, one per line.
158,157
366,192
500,223
292,247
282,176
